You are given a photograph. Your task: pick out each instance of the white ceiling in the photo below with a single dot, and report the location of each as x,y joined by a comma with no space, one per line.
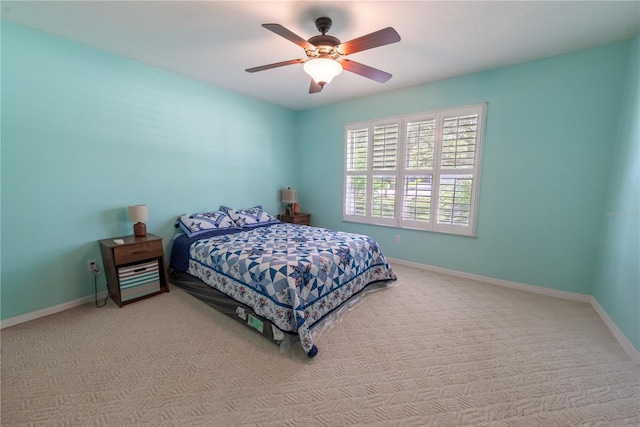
215,41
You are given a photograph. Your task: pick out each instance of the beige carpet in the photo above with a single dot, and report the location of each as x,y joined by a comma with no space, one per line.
435,350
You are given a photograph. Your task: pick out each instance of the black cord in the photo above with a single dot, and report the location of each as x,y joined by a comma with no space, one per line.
95,286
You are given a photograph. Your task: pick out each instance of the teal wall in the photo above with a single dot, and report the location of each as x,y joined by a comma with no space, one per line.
547,153
86,133
617,285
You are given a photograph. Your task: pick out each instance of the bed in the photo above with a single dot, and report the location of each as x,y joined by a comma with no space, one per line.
278,278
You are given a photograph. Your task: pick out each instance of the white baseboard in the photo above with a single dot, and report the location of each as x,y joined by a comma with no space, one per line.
506,283
617,333
633,353
49,310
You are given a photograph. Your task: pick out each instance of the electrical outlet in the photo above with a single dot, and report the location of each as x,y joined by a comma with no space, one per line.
92,266
398,239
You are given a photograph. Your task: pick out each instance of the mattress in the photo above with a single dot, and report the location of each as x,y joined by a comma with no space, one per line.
287,277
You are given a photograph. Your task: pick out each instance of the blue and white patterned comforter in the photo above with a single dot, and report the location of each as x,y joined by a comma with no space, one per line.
292,275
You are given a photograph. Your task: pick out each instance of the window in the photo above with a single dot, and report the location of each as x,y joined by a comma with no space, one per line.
418,171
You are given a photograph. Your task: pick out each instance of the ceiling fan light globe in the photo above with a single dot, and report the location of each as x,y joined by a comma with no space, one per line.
322,70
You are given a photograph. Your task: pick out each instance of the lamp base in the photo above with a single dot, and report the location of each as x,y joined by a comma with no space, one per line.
139,229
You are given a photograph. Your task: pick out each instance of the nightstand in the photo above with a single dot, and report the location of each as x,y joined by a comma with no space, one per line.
301,218
135,269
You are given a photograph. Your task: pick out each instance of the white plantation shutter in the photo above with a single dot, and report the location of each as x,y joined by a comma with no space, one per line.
419,171
356,196
383,198
371,169
384,170
420,142
417,199
385,147
357,143
419,152
454,199
356,158
458,170
459,141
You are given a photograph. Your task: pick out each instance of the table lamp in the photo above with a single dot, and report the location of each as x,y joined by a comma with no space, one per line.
289,197
138,214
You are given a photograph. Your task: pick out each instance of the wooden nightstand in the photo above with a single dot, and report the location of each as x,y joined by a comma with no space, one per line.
301,218
135,269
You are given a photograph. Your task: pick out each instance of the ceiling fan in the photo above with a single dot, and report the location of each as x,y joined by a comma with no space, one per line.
325,54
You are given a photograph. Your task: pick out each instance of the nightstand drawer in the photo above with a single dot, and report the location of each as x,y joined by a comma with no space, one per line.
141,251
301,219
139,280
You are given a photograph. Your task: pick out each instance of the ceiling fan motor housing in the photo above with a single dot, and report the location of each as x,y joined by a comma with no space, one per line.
325,47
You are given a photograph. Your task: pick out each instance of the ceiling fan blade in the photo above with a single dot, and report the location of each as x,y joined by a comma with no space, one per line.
314,87
365,71
282,31
378,38
275,65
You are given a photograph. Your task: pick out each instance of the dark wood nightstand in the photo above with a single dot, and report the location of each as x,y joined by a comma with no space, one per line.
135,269
301,218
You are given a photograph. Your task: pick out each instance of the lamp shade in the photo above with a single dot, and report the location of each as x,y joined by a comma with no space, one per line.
288,196
138,213
322,70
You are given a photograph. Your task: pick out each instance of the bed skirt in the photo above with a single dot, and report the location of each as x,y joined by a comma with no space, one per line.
245,314
227,305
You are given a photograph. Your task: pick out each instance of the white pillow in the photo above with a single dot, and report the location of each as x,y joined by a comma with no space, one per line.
251,217
199,223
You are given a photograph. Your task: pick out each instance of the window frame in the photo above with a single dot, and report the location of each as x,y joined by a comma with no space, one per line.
436,172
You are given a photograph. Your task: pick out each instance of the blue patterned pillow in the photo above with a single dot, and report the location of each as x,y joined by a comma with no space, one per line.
200,223
249,218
